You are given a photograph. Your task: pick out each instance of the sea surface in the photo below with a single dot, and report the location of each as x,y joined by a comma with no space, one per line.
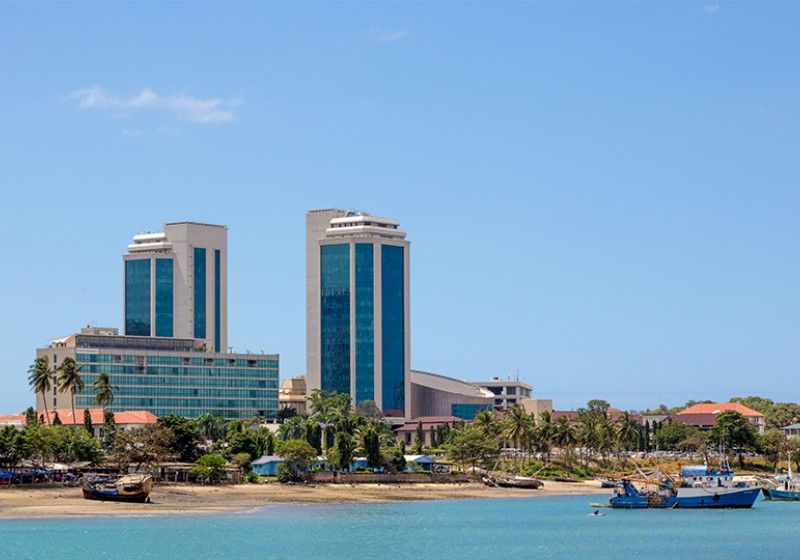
541,528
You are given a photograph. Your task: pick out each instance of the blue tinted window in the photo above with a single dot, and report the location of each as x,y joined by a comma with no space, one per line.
467,411
137,297
365,323
393,330
199,293
217,320
335,317
164,293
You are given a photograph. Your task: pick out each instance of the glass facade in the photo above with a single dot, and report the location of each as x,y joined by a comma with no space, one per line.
365,323
165,283
393,330
467,411
184,384
335,317
199,293
217,298
137,297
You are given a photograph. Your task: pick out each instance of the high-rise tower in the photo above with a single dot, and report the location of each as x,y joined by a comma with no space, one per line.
176,284
357,308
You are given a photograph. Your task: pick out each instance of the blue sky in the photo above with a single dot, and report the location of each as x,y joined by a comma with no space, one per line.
602,197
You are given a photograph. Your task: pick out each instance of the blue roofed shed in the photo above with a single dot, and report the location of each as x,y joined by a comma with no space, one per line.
267,465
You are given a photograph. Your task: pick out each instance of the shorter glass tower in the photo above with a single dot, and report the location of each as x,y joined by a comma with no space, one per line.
176,284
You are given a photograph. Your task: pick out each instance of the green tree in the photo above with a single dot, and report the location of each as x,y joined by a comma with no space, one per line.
782,414
472,446
285,413
516,428
185,440
545,434
297,454
109,429
70,381
565,438
759,404
87,421
56,419
344,447
398,459
146,446
103,391
771,445
39,380
11,447
732,432
418,439
671,434
212,427
625,433
371,446
211,467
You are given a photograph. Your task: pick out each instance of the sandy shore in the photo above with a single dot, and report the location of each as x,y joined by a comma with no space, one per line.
16,502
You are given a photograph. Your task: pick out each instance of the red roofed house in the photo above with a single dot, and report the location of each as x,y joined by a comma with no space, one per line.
704,416
124,420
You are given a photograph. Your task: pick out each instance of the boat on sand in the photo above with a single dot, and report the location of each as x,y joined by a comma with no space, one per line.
128,488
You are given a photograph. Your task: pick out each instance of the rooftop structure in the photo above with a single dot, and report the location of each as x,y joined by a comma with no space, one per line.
508,392
704,415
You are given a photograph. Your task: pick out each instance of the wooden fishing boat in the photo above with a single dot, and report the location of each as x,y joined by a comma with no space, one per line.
128,488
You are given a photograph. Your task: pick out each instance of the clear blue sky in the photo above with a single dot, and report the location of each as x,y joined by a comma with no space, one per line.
601,196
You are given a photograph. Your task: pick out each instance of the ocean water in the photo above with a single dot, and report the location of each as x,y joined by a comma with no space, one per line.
540,528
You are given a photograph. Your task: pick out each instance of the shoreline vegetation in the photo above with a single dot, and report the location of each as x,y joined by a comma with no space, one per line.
191,499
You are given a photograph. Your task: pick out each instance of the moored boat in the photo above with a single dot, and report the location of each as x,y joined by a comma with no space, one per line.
128,488
518,482
782,488
696,487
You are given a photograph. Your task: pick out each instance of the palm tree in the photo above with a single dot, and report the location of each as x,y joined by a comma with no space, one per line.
545,433
69,381
626,432
103,391
39,380
565,437
517,426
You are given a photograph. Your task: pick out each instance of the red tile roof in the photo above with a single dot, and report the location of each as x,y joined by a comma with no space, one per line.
715,408
121,418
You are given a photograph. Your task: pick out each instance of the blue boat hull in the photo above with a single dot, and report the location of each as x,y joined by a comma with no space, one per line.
781,495
687,498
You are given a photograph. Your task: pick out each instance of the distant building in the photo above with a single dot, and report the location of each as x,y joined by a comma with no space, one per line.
176,284
704,416
165,376
507,393
357,308
293,394
123,420
15,420
407,432
537,406
437,395
792,432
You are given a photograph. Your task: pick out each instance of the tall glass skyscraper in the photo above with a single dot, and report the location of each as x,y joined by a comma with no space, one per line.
176,284
357,308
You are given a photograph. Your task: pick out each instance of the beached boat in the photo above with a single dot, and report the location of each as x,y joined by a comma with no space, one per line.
128,488
696,487
518,482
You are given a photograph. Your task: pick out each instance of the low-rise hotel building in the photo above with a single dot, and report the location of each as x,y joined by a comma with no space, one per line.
165,376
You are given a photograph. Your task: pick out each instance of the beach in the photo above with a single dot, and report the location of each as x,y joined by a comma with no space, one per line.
176,499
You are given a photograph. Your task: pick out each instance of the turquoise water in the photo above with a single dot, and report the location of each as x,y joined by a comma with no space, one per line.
540,528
